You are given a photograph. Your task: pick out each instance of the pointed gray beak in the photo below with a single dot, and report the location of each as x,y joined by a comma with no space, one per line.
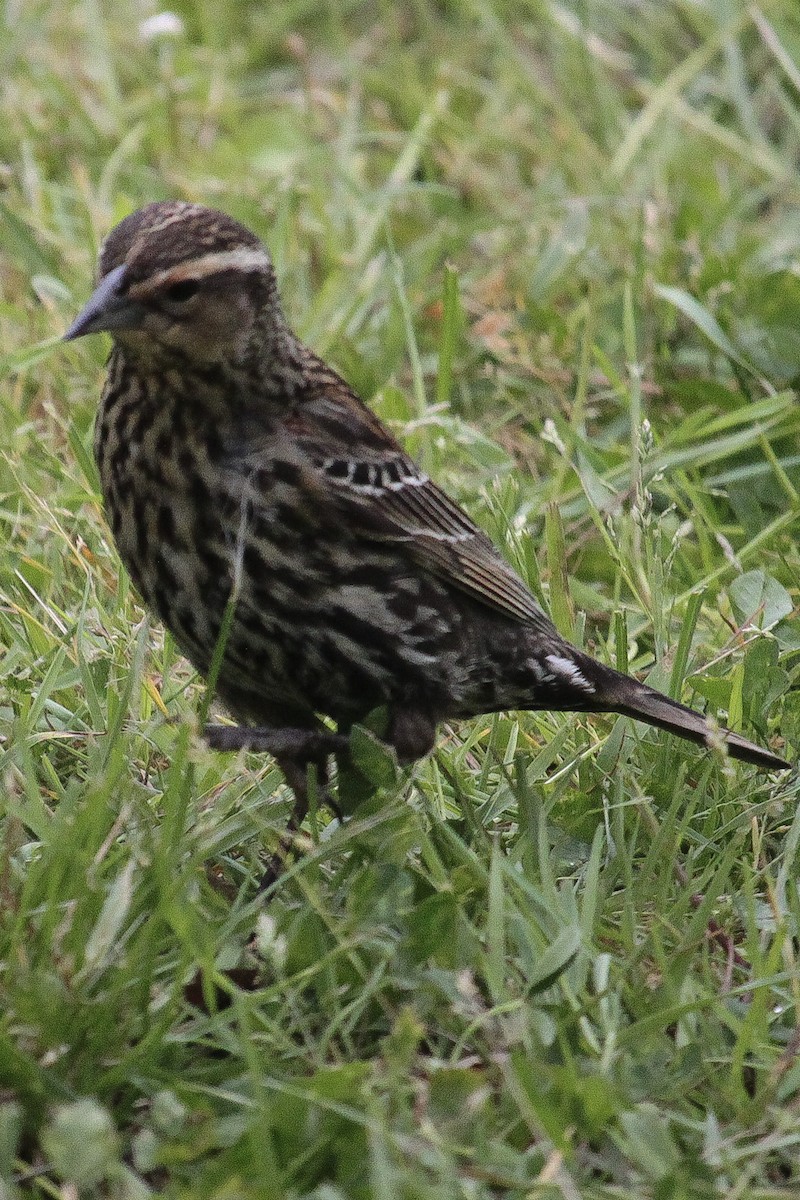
107,309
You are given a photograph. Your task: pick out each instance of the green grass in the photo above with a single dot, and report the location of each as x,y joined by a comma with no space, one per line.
556,246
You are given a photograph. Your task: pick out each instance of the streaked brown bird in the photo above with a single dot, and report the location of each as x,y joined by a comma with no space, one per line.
240,472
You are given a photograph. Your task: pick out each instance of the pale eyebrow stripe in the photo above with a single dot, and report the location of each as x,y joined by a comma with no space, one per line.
243,258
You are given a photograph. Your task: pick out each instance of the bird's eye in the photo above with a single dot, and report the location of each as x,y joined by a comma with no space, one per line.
183,290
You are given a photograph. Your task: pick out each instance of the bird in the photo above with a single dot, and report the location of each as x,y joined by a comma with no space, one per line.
293,548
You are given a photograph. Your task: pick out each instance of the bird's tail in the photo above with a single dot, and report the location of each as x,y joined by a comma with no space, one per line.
623,694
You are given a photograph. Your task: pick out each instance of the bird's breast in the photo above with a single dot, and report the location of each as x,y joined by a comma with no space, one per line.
204,513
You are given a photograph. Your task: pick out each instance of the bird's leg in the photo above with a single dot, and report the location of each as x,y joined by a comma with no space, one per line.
296,773
295,750
287,744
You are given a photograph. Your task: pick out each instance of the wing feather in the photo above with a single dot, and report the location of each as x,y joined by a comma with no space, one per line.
357,465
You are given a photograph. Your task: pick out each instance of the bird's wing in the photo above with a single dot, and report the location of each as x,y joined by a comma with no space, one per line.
363,473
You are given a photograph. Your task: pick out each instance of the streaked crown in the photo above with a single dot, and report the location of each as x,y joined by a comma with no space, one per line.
170,233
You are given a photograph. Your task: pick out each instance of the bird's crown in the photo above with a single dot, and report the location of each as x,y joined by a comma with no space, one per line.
167,233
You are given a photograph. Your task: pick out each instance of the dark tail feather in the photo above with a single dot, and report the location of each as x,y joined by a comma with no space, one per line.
633,699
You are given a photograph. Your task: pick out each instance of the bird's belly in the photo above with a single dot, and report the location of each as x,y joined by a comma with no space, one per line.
172,551
322,613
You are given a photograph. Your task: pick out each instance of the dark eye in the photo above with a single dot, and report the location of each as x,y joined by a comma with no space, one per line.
183,290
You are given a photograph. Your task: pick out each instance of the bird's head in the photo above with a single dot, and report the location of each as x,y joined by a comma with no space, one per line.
181,279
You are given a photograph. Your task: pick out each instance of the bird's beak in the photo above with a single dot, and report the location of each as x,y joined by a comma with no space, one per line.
108,309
